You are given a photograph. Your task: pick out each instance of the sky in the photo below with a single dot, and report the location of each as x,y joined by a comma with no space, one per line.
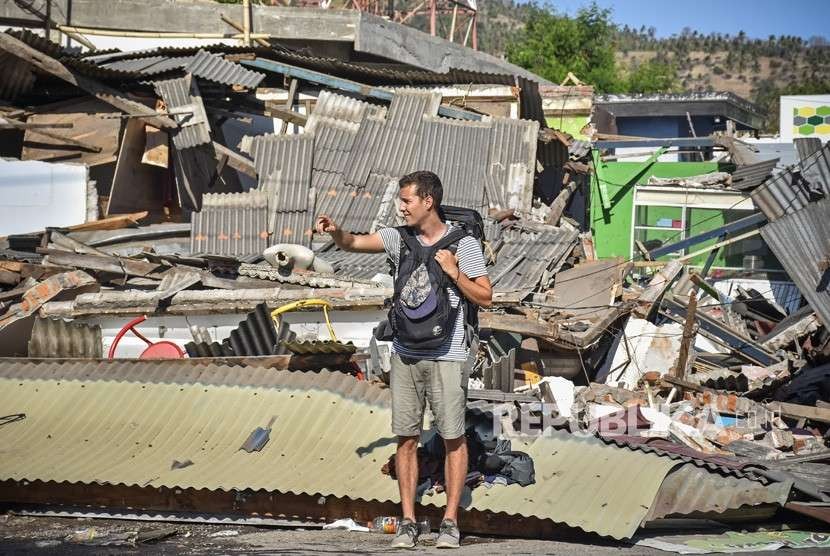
758,18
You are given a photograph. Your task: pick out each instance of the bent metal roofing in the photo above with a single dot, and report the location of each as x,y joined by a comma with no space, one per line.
322,442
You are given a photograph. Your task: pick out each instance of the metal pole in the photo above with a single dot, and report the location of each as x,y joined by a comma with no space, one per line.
432,17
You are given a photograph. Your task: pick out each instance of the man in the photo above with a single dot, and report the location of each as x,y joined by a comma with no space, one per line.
438,375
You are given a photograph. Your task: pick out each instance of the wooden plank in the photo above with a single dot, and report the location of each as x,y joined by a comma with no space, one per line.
156,147
518,324
114,222
55,137
89,124
797,411
135,186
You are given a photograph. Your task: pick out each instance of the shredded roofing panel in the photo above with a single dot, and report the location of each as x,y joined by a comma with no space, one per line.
215,68
233,224
183,94
525,258
580,481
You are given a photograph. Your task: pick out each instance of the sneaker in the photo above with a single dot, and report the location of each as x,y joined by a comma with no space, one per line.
407,535
448,535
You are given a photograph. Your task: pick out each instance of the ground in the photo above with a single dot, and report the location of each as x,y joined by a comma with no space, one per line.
47,535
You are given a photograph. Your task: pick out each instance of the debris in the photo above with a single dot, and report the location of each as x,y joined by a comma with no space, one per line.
348,524
225,533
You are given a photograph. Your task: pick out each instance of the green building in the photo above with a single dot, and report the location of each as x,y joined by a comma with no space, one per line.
625,209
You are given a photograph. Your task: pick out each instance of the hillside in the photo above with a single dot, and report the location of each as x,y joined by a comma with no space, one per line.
756,69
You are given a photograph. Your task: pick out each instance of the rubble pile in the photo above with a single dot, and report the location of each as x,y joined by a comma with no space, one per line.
154,197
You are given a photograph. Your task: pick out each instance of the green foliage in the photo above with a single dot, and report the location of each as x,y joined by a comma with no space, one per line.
653,76
551,45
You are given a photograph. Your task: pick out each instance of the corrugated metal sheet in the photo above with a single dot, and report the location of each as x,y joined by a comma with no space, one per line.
801,241
799,229
390,146
358,266
806,146
183,93
283,164
524,259
365,72
751,176
689,489
256,335
59,338
152,65
333,106
186,371
512,162
129,433
215,68
458,152
293,227
234,224
784,194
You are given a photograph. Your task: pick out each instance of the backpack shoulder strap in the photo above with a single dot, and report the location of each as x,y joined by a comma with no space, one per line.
409,242
450,240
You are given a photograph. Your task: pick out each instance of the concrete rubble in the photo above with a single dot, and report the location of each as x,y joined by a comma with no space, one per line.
185,210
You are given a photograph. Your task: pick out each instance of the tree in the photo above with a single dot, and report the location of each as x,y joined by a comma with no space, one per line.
653,76
552,45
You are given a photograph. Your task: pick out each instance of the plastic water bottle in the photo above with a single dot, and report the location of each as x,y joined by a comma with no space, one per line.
384,524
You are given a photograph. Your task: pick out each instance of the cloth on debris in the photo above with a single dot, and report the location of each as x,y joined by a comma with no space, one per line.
806,387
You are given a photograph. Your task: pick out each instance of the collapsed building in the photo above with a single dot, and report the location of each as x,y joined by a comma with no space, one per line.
177,338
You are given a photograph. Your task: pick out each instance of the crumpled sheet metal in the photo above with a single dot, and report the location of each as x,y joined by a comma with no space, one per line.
689,489
183,93
93,439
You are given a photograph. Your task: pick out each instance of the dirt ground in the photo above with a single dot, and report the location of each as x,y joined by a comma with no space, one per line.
48,535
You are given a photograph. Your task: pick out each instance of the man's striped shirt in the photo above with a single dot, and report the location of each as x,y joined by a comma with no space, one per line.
471,263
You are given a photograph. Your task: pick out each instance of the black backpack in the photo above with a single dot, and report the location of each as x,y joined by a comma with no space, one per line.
432,331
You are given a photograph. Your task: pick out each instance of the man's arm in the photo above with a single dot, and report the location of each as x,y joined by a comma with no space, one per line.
478,290
371,243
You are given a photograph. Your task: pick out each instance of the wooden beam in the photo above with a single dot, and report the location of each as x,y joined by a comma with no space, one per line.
797,411
37,130
275,110
679,371
113,97
237,26
235,160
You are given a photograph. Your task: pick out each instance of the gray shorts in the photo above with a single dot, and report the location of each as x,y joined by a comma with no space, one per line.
442,383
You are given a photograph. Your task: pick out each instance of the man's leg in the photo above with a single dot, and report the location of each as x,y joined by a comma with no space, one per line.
406,466
455,471
408,401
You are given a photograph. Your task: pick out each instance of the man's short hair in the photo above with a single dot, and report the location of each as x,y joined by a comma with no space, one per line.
426,183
